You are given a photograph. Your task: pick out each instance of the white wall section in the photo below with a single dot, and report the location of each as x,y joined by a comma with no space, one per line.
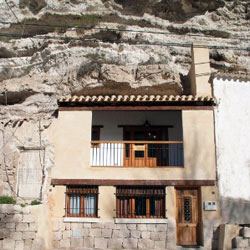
232,128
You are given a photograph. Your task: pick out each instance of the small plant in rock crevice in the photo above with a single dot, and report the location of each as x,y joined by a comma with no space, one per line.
35,202
7,200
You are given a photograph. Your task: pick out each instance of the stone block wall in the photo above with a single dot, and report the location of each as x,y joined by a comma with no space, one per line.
109,235
18,228
242,242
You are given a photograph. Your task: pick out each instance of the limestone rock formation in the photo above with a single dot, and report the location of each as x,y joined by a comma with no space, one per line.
68,47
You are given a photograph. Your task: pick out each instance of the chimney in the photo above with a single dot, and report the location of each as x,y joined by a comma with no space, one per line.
200,71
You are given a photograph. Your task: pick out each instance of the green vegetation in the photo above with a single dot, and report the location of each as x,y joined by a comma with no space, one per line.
35,202
7,200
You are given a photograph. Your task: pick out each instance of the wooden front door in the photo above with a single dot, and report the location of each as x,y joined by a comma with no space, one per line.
145,154
188,217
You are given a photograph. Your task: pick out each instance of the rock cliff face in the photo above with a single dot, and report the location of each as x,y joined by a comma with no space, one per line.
50,48
71,46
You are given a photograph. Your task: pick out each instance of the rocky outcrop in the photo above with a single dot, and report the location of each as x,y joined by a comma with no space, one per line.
177,11
69,47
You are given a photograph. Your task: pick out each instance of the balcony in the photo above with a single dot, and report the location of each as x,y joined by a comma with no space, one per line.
136,139
137,154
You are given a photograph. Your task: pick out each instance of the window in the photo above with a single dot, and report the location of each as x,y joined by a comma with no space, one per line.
140,202
81,201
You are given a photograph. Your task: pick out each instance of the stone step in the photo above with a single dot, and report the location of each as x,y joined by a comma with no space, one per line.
246,232
239,242
248,248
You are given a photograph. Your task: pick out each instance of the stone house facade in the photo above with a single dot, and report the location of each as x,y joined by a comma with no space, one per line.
136,172
129,172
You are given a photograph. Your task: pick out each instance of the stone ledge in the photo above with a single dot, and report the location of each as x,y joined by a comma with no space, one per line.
140,221
80,219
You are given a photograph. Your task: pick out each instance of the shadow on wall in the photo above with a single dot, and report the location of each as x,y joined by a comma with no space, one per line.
114,88
235,210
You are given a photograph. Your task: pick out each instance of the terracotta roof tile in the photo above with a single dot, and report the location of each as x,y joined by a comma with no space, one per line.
135,98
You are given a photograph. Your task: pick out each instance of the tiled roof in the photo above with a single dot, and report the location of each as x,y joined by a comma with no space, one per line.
135,98
232,76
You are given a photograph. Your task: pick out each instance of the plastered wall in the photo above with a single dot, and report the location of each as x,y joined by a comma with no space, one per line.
71,134
232,124
199,147
71,137
200,70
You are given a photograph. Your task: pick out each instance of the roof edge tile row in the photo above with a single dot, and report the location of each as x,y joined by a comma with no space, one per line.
134,98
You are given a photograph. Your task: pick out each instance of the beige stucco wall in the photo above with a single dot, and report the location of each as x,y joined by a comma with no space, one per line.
42,215
107,207
106,203
57,201
210,194
199,147
170,203
71,135
200,71
210,219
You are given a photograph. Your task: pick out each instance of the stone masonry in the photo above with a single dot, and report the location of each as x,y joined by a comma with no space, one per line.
242,242
18,228
71,235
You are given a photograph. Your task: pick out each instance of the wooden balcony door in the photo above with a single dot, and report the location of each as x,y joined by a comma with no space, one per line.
188,217
145,154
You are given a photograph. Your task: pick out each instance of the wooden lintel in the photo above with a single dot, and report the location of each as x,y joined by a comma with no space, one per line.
135,108
101,182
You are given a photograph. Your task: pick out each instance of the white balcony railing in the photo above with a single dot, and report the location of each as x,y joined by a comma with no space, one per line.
137,153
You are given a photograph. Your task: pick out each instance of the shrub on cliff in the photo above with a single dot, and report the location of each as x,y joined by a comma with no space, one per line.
7,200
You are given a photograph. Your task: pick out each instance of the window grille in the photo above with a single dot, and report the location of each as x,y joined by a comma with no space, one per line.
82,201
187,209
140,202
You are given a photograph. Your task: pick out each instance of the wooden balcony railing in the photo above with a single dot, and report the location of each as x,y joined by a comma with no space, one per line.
137,153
